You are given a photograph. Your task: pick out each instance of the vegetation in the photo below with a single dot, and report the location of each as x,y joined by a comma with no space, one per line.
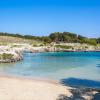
98,40
64,46
63,37
57,37
3,43
71,37
6,56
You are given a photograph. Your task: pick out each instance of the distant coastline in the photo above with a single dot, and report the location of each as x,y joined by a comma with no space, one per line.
9,54
13,45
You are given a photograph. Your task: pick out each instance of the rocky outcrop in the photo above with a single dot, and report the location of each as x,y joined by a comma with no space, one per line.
41,49
7,57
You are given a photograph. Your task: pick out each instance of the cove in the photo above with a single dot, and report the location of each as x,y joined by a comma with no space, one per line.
57,66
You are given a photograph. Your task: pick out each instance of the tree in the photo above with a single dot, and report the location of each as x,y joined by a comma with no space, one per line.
98,40
66,38
46,39
55,36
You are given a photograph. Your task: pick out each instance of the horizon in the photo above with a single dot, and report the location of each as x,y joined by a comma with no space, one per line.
42,17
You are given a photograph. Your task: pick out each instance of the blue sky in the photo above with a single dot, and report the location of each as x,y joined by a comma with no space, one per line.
41,17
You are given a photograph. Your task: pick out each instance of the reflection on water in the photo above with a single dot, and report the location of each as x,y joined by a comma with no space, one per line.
58,65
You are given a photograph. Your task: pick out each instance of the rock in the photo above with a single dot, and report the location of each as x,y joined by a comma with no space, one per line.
82,94
15,56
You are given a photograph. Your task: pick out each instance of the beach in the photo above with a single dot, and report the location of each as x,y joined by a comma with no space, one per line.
12,88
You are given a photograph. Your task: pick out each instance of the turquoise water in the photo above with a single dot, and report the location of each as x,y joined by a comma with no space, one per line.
56,65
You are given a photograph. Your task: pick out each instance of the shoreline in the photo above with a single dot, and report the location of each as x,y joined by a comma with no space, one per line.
11,53
12,88
30,78
20,58
15,88
41,79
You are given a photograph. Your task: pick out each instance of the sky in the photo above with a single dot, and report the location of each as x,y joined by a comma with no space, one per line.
42,17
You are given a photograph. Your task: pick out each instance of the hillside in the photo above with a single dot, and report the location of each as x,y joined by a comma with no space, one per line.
11,39
57,37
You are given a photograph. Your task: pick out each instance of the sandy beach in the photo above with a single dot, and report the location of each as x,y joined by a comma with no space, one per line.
27,89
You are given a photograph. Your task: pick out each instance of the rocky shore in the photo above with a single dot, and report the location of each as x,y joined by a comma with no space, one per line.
15,50
7,54
14,57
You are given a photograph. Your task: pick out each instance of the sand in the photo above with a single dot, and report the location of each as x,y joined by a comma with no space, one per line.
28,89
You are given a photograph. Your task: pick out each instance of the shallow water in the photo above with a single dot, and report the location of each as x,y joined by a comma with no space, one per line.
57,66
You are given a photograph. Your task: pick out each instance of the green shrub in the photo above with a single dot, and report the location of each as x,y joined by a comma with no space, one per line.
6,56
64,46
35,45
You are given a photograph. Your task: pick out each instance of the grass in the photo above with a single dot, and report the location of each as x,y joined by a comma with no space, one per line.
10,39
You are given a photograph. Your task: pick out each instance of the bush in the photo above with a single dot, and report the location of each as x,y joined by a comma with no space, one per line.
6,56
64,46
